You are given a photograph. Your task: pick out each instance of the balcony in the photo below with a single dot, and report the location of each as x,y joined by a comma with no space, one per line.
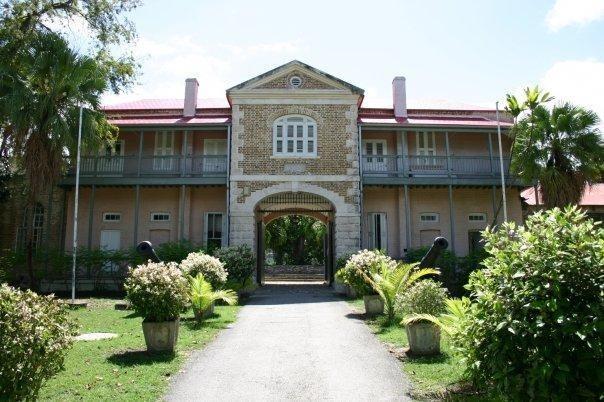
414,169
132,169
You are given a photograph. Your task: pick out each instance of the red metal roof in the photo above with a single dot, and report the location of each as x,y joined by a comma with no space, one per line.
593,195
162,104
169,121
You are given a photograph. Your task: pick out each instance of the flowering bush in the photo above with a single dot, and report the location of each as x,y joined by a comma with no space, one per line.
424,297
157,291
35,333
239,262
364,261
210,267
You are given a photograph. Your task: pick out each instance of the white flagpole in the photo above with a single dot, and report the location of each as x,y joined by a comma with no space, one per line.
75,212
505,207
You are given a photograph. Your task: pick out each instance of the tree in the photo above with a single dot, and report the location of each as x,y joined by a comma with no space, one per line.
295,239
561,148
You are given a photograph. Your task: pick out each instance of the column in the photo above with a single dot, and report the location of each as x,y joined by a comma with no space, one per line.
408,216
91,215
448,153
136,213
140,153
452,217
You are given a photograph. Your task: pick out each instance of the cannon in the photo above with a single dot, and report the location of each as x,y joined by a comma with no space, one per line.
439,245
145,249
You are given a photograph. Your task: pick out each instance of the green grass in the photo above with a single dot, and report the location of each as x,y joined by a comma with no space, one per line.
434,377
120,369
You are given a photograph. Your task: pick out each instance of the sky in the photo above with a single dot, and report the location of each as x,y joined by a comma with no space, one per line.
460,51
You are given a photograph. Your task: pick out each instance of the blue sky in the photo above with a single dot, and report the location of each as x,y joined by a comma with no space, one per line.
464,51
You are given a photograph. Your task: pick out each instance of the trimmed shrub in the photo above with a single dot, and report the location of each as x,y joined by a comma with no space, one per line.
35,334
157,291
176,251
210,267
424,297
239,262
535,327
364,261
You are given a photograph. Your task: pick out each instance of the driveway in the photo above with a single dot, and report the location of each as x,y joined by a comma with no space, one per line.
296,342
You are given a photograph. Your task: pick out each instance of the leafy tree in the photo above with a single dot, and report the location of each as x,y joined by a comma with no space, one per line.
295,239
561,148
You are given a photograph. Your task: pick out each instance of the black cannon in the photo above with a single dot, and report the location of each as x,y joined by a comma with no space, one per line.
145,249
440,244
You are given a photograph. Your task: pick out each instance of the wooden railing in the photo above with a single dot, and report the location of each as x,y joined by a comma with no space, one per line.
440,166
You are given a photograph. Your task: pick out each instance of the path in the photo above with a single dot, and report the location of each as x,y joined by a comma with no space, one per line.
293,343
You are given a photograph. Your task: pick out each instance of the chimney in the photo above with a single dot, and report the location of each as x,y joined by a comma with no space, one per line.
191,87
399,97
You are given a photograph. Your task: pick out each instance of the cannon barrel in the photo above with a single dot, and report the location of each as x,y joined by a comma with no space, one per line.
145,249
439,245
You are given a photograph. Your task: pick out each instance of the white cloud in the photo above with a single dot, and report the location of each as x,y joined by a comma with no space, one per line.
571,12
579,82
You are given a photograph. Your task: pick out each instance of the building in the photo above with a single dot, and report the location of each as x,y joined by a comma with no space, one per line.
592,201
293,140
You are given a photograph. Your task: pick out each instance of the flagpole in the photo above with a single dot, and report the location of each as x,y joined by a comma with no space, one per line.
505,208
75,212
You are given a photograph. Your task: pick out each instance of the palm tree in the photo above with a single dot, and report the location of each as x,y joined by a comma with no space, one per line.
202,295
561,149
41,90
389,282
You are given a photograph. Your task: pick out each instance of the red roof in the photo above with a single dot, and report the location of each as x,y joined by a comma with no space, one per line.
593,195
162,104
169,121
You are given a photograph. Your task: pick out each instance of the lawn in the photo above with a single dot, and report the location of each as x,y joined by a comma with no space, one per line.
436,377
120,369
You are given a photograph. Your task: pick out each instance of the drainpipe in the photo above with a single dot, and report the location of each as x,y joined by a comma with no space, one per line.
228,188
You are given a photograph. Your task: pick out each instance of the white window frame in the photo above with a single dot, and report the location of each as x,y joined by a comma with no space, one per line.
436,215
373,154
118,214
151,216
206,221
284,139
378,239
426,150
483,217
163,151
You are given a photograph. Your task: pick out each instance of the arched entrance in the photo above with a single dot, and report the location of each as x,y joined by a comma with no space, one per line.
295,203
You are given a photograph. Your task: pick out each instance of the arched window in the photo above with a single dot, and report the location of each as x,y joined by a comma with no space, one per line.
295,136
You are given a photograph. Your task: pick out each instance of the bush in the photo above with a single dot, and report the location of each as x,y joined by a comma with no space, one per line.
424,297
239,262
364,261
35,334
157,291
176,251
210,267
535,328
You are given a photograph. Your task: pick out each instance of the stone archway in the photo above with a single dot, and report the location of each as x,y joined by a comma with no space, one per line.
294,203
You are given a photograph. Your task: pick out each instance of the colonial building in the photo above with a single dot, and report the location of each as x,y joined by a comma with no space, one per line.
293,140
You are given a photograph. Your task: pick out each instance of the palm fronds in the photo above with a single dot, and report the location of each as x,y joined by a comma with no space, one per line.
202,295
450,322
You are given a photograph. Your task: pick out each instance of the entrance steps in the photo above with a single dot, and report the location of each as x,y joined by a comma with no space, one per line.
294,273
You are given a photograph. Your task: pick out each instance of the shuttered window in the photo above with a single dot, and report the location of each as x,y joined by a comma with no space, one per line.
295,136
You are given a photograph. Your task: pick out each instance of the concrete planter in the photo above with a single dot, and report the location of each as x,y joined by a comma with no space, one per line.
350,292
207,313
373,305
424,338
340,288
161,336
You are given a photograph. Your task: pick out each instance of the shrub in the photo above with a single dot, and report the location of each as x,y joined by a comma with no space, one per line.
35,334
202,295
176,251
363,262
157,291
239,262
424,297
210,267
535,329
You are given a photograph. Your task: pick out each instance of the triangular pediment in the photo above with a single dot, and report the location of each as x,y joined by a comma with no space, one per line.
309,77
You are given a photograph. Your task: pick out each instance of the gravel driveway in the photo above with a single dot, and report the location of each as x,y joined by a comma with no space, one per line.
296,342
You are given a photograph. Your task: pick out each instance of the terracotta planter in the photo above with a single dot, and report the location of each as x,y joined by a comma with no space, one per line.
207,313
373,305
424,338
161,336
340,288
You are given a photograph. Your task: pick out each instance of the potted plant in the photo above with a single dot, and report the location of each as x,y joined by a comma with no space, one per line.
158,292
355,273
202,297
421,304
211,268
239,262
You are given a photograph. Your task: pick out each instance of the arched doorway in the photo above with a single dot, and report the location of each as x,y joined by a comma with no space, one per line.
283,204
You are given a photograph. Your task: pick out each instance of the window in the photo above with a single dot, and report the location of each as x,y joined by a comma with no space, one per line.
164,151
112,217
378,231
374,150
111,158
295,136
295,81
214,228
477,217
428,217
425,143
160,216
33,222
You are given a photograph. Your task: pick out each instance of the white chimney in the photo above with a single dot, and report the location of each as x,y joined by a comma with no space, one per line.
399,97
191,87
